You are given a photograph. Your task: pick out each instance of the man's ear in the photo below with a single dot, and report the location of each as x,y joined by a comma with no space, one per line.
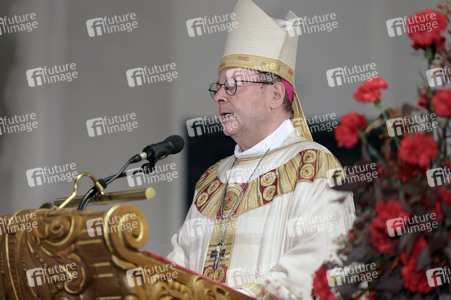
278,95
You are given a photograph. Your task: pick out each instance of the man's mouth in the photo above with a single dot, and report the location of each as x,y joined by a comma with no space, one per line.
226,115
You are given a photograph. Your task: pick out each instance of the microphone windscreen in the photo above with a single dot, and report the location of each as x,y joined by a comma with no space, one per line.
178,143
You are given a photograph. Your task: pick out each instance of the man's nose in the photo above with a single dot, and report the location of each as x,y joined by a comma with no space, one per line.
221,95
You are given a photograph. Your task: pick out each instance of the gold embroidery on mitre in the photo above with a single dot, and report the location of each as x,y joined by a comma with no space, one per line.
256,62
243,58
306,166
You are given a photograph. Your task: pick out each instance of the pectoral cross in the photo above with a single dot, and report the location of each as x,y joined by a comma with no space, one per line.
217,254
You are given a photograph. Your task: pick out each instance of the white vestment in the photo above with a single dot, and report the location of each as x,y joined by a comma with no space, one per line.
282,228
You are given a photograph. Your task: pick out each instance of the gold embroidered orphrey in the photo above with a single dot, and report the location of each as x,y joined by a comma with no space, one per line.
305,166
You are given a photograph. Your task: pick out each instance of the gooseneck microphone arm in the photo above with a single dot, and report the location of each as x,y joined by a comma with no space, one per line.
104,182
172,145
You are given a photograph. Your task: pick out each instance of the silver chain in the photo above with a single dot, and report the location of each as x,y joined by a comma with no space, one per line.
221,239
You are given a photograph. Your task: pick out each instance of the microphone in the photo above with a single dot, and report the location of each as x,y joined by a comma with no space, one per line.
172,145
154,152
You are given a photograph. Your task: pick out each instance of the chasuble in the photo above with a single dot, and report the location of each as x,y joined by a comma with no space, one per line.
279,229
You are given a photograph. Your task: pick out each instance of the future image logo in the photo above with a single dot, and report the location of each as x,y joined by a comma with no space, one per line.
351,274
413,224
149,275
438,276
437,77
312,24
18,123
18,23
417,23
137,176
149,75
18,223
55,74
207,125
348,75
57,173
411,124
111,124
438,176
54,274
352,174
97,226
239,276
110,25
312,224
209,25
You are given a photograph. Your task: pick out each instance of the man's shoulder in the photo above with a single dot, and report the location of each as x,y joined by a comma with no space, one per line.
308,159
301,146
211,173
299,143
312,159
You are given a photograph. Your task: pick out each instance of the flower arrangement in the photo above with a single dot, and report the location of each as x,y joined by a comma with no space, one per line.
399,246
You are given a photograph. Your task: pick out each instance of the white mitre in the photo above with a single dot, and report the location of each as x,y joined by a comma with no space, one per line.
262,43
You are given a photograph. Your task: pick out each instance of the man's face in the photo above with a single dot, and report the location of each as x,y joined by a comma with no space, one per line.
243,114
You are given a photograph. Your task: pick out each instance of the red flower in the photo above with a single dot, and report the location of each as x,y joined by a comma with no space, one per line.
424,28
414,280
437,210
423,101
378,229
445,195
442,103
418,150
347,132
370,90
321,286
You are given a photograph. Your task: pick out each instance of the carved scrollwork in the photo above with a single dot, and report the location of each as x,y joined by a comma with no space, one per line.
206,290
125,229
40,258
72,254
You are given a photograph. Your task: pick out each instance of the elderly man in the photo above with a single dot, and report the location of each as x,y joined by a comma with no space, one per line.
264,219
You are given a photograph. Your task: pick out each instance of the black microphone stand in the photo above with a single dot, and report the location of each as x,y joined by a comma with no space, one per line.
147,169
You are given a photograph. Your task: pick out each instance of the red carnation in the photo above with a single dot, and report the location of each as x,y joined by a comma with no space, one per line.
370,90
414,280
321,286
445,195
378,229
423,101
424,28
418,150
437,210
347,132
442,103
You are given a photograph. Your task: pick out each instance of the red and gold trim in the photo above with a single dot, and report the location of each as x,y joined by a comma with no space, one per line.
220,274
306,166
259,291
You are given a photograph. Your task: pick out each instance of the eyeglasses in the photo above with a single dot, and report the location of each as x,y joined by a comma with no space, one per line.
230,86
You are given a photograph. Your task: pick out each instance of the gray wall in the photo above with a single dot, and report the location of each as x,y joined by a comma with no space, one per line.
161,37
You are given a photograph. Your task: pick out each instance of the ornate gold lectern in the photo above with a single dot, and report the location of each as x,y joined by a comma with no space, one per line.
84,254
